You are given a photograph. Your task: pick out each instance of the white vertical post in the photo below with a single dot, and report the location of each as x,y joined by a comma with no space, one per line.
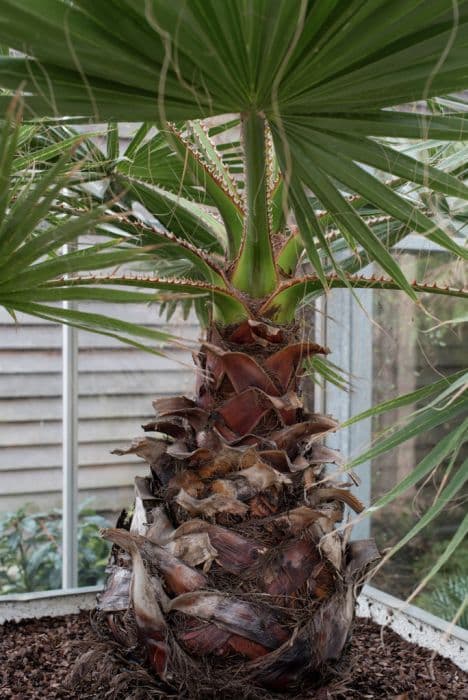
320,330
349,336
70,453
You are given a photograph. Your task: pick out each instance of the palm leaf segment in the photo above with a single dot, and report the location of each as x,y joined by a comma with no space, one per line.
325,110
238,490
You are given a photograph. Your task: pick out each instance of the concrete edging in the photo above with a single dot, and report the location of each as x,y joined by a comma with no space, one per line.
412,623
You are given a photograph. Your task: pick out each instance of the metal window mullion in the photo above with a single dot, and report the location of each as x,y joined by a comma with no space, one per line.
70,454
362,371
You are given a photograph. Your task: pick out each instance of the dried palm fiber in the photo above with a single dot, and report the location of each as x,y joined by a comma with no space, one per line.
231,565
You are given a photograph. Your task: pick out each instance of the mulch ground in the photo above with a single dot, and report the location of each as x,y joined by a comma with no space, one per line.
36,657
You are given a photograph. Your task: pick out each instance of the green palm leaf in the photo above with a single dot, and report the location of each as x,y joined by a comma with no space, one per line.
31,239
333,83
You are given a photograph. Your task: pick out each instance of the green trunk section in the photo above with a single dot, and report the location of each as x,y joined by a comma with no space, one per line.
255,271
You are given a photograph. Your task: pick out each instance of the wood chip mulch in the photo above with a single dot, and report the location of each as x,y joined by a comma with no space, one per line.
36,657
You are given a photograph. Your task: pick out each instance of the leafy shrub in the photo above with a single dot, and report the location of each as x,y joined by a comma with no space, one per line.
447,597
447,591
31,549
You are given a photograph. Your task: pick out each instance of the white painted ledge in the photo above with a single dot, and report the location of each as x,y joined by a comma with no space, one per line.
415,625
24,606
411,623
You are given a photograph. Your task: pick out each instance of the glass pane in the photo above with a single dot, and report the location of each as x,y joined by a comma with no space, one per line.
117,384
30,454
411,349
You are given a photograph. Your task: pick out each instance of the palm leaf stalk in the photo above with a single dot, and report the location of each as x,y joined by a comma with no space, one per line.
230,563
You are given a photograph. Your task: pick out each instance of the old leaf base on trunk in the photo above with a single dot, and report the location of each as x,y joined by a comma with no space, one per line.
230,567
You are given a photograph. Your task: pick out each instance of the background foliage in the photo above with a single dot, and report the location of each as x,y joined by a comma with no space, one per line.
30,549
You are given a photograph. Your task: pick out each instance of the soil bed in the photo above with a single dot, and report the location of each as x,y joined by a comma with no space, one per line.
36,657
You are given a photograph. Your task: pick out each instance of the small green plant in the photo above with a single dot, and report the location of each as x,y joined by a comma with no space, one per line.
31,549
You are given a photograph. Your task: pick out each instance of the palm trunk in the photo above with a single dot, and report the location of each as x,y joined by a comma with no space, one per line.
231,562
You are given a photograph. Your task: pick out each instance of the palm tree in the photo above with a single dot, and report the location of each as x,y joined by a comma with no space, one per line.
230,559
